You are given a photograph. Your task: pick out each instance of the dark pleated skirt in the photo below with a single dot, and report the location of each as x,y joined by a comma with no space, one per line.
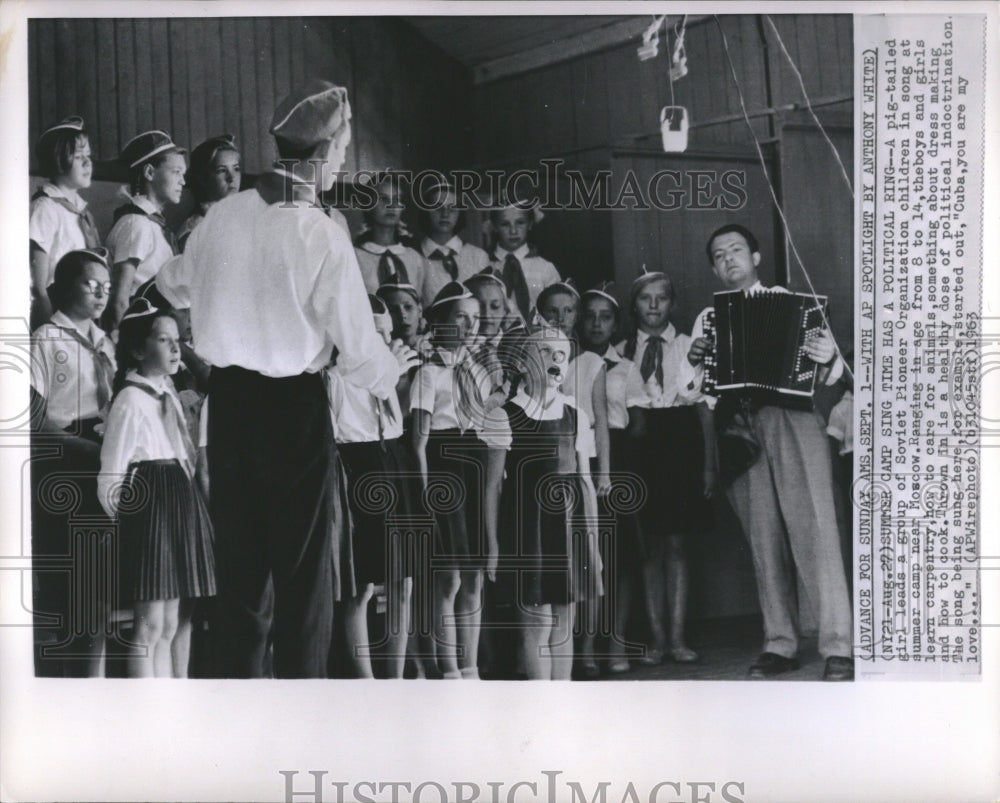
379,480
165,535
456,465
669,456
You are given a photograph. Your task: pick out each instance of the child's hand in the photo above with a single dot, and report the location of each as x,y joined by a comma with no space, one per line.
405,356
820,348
603,484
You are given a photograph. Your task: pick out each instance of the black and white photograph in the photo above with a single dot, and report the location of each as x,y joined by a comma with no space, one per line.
352,348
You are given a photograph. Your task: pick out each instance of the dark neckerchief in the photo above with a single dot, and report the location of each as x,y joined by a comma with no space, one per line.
83,216
173,424
102,364
134,209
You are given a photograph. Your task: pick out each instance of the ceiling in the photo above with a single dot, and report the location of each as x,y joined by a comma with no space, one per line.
476,40
498,46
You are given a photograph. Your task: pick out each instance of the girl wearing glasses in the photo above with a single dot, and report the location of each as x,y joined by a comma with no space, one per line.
73,364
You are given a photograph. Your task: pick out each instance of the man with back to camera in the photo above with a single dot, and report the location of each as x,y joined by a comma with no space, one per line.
273,286
784,500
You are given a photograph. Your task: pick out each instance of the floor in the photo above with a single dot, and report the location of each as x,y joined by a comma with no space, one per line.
726,648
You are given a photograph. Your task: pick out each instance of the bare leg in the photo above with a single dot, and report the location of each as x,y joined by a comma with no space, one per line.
561,642
620,597
469,615
397,617
163,666
533,638
356,627
180,649
590,612
654,590
677,597
146,634
446,584
96,664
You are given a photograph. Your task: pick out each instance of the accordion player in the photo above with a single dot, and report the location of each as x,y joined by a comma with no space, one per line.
759,345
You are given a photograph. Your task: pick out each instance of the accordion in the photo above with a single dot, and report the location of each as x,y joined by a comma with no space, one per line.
759,345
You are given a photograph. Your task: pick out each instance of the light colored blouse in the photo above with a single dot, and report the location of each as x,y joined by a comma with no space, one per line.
66,371
139,238
52,227
355,412
137,431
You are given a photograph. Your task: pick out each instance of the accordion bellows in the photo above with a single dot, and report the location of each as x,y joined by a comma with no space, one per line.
760,343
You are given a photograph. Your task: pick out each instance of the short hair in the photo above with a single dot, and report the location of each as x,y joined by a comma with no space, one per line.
293,153
496,212
68,269
137,175
393,179
659,276
733,228
438,313
200,164
555,289
589,296
55,150
424,208
483,279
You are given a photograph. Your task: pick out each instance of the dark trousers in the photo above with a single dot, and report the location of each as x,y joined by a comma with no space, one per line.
270,457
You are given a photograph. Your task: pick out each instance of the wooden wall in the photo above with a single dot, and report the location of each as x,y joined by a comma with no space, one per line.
199,77
611,97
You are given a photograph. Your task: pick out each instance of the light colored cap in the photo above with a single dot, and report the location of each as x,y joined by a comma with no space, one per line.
143,147
72,123
603,290
311,114
453,291
140,308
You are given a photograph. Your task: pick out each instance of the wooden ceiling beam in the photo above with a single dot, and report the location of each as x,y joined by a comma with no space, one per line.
570,47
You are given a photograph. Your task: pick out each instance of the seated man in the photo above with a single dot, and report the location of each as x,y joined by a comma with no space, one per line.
784,500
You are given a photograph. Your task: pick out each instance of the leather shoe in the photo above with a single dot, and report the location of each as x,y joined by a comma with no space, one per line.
769,664
839,667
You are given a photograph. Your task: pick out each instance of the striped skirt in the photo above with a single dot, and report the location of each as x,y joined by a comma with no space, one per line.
165,535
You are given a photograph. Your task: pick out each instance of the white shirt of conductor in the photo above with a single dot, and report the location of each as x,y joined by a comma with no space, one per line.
281,287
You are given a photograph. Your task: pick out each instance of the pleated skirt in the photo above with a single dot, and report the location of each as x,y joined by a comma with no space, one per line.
165,535
379,494
456,465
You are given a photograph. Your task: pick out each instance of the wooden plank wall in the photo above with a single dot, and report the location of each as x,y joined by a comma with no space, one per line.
199,77
611,97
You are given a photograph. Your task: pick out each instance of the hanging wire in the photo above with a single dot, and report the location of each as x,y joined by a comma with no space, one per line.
774,197
802,86
679,31
670,77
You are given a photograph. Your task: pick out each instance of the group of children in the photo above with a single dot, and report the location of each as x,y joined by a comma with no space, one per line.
497,459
